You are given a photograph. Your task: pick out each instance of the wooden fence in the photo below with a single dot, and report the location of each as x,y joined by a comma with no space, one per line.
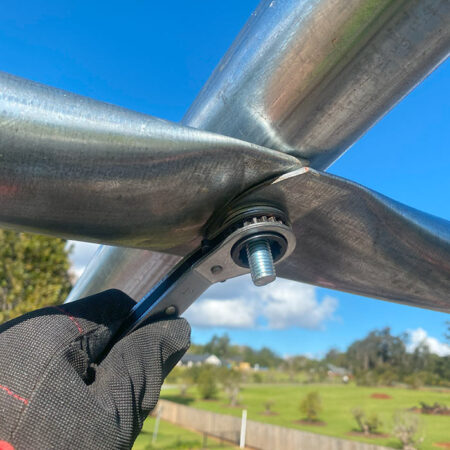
259,435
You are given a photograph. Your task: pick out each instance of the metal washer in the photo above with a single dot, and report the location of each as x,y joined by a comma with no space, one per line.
278,246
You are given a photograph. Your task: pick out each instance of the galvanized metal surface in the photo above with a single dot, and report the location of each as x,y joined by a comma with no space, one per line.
308,78
82,169
131,270
353,239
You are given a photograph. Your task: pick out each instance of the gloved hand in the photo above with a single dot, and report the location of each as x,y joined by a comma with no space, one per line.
54,396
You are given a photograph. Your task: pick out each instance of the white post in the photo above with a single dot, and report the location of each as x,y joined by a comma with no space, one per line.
156,427
243,428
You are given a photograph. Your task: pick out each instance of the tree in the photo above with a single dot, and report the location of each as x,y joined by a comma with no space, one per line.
33,272
381,358
219,346
367,424
407,430
264,357
311,406
268,404
337,358
376,350
206,382
231,380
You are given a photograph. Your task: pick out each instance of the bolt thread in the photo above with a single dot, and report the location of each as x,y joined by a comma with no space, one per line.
260,261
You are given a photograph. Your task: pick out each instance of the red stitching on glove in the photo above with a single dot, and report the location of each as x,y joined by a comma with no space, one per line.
11,393
71,318
6,446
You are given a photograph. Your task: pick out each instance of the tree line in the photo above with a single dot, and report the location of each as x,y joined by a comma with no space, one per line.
34,272
221,347
379,358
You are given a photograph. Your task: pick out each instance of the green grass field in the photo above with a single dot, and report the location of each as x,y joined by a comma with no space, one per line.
337,402
173,437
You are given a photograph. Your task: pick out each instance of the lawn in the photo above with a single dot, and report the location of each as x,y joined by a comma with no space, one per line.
173,437
337,402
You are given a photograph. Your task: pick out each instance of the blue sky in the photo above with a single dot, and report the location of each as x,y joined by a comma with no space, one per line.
154,57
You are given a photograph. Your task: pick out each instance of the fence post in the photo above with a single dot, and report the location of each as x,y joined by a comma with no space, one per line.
156,427
243,428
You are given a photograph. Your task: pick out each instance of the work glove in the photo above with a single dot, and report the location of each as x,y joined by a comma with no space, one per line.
53,395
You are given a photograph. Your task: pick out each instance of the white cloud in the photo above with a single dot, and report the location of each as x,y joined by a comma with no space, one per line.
232,313
420,336
291,304
82,253
282,304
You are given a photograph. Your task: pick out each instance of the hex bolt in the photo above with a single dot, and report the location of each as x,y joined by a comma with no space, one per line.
170,310
260,261
215,270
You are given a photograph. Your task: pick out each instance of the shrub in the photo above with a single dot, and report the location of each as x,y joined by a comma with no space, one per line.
187,379
367,378
268,407
360,417
406,429
383,376
367,424
206,383
311,406
415,380
233,395
373,423
437,408
231,380
257,378
387,377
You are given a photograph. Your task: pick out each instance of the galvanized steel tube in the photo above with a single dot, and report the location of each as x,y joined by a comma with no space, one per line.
308,78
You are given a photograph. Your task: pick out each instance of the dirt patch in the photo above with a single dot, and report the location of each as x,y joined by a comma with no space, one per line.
380,395
415,410
445,412
368,435
317,423
239,406
269,413
442,444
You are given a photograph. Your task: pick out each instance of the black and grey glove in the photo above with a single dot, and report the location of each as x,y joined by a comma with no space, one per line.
54,396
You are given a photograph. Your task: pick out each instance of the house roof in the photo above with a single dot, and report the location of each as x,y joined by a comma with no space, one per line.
338,370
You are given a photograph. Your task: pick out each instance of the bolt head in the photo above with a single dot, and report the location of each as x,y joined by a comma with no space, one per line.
215,270
170,310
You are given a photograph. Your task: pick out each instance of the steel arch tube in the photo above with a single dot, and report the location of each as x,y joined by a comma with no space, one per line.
307,78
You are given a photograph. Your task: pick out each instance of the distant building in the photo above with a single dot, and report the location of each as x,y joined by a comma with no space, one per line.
339,372
233,362
190,360
238,363
244,366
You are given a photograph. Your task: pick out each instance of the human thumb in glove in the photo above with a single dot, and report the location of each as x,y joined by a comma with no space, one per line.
53,395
